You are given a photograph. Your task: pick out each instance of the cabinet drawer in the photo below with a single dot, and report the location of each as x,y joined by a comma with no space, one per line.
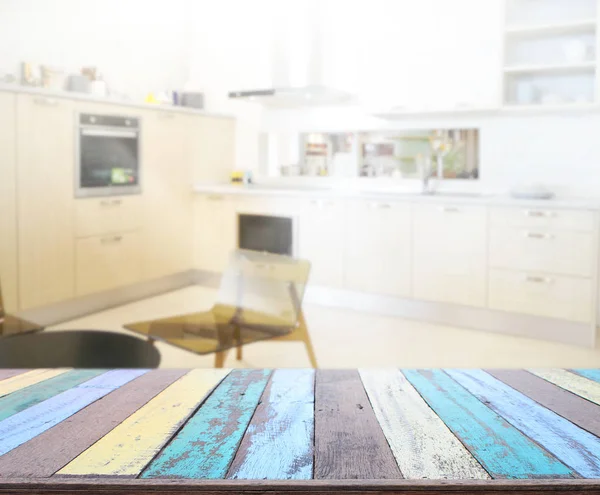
543,218
99,216
107,262
555,251
553,296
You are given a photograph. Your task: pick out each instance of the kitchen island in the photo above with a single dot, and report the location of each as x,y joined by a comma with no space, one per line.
306,431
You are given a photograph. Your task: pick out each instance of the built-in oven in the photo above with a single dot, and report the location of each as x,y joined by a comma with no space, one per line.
108,156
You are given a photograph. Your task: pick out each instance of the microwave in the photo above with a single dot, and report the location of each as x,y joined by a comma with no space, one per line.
108,156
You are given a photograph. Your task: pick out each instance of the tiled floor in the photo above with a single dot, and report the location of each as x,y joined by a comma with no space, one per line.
350,339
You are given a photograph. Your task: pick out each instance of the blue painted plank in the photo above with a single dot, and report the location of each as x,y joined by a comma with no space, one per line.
27,424
591,374
278,444
500,448
574,446
34,394
205,446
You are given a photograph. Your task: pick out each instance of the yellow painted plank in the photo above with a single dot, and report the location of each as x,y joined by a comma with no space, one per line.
584,387
14,383
127,449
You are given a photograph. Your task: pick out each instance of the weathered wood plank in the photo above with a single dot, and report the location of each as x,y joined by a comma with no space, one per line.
502,449
14,383
349,443
574,446
584,387
27,424
576,409
423,445
45,454
591,374
205,446
34,394
127,449
9,373
278,444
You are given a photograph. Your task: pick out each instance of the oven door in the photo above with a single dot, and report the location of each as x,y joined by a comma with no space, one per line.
108,162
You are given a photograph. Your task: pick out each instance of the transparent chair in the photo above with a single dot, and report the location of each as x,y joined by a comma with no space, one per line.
12,325
260,298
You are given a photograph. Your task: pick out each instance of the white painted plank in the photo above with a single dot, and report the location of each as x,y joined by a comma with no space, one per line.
584,387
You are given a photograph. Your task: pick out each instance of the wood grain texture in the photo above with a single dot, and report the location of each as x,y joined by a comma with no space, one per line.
501,449
349,443
127,449
14,383
578,410
47,453
587,373
278,443
574,446
584,387
27,424
205,446
9,373
422,444
34,394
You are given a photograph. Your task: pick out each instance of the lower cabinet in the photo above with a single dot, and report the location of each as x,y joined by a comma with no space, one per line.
378,247
449,258
107,262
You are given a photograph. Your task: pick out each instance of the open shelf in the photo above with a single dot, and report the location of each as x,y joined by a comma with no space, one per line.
585,66
573,27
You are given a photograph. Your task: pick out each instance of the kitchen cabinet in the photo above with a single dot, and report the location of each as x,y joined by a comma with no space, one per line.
107,262
378,247
166,181
215,235
321,241
211,148
45,182
449,253
98,216
8,202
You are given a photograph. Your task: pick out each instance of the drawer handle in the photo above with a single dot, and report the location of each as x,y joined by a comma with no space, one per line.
449,209
110,240
538,280
538,235
540,213
45,101
213,197
114,202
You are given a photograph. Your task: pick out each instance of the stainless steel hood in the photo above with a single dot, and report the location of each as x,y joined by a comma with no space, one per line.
301,61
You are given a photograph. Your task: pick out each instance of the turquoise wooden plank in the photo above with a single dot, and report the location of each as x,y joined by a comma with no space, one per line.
278,444
572,445
34,394
27,424
500,448
591,374
205,446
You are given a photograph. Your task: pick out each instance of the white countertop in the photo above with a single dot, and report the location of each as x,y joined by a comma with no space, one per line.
399,195
71,95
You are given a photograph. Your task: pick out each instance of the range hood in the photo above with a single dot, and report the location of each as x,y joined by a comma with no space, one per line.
301,62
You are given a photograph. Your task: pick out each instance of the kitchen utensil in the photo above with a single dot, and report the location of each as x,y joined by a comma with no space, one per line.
78,83
192,99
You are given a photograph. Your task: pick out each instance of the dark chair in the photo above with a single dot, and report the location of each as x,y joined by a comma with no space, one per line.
77,349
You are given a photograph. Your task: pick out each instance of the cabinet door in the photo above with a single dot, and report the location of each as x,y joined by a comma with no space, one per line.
211,148
167,190
45,178
8,202
378,247
449,261
321,241
215,235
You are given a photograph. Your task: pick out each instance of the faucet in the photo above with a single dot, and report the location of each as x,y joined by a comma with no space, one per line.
424,164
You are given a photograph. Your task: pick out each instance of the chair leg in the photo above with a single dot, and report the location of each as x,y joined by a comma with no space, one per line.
238,353
306,339
220,358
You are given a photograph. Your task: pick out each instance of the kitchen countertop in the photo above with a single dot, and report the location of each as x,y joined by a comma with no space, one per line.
70,95
434,431
301,191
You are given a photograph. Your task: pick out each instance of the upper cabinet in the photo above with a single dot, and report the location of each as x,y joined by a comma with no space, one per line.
8,202
45,178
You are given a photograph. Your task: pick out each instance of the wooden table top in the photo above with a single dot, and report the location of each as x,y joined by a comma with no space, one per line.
298,430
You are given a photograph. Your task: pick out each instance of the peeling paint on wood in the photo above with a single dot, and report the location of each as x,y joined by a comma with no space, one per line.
27,424
584,387
205,446
591,374
423,445
14,383
279,441
575,447
502,449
